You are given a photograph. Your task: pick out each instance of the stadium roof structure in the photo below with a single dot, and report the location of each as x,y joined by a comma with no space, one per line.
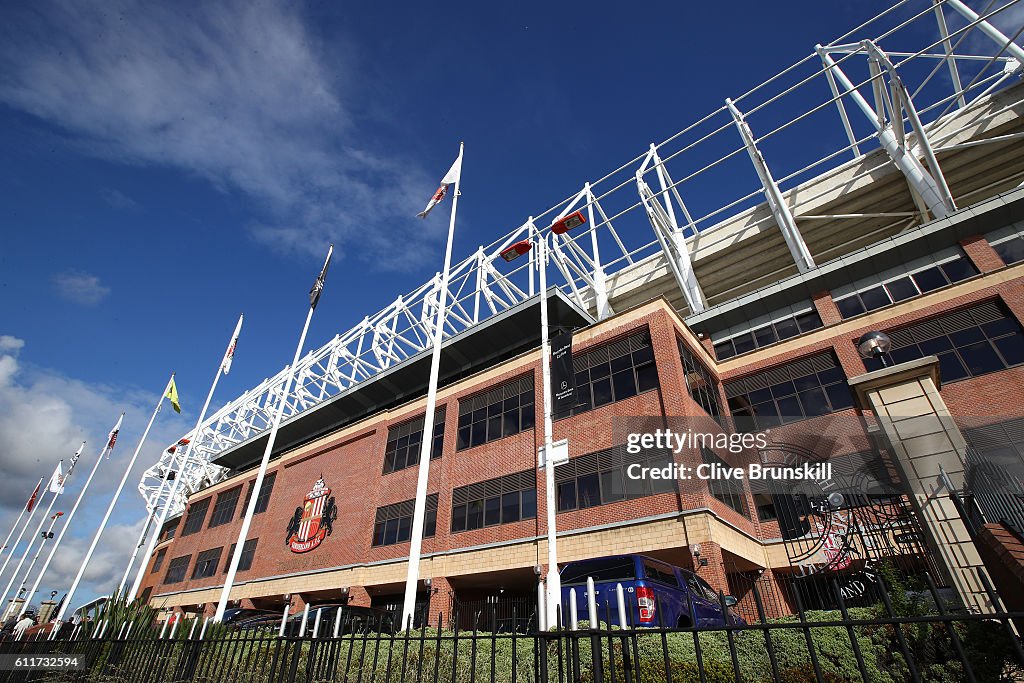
899,123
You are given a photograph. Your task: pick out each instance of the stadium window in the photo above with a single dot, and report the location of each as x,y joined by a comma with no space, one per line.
393,523
915,283
765,507
1008,243
245,560
600,478
206,563
775,331
786,393
728,491
968,343
613,372
264,498
699,381
406,440
503,411
497,501
196,516
167,533
159,560
224,508
176,569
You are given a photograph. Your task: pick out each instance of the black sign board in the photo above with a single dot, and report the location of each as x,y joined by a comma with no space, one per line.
563,379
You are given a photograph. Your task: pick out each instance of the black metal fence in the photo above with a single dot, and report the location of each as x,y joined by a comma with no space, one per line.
906,636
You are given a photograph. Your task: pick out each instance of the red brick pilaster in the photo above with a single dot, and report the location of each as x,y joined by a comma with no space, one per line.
981,254
826,308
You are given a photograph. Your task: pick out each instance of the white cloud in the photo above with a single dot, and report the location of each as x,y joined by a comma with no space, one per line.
117,199
44,416
239,93
80,287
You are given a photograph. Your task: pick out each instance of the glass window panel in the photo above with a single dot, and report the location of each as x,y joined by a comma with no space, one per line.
850,306
588,491
494,426
474,514
901,289
1011,251
602,392
463,439
786,328
529,503
950,367
809,321
510,422
724,350
804,383
644,354
390,531
1000,327
1012,348
763,336
968,336
959,269
611,486
567,495
634,487
935,346
647,377
459,518
814,402
479,435
599,371
430,523
378,533
980,358
930,279
839,396
624,384
874,298
783,389
904,354
831,375
789,408
760,395
621,363
404,529
492,511
526,417
743,343
510,507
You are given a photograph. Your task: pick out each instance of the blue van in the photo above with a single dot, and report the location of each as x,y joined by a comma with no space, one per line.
648,584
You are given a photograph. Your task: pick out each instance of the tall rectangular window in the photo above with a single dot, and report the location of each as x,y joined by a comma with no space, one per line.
264,499
406,440
968,343
499,412
613,372
393,523
206,563
158,562
786,393
245,560
176,569
196,516
699,381
600,478
729,491
224,509
167,533
496,501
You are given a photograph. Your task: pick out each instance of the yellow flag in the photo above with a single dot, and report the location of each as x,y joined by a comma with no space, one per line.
172,393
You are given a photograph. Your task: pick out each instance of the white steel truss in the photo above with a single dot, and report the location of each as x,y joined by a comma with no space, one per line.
914,117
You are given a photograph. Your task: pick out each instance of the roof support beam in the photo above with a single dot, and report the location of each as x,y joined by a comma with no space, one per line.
783,216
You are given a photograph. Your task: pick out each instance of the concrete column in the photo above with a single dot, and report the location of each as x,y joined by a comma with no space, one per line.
924,438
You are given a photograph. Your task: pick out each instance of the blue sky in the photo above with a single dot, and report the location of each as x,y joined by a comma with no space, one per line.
166,166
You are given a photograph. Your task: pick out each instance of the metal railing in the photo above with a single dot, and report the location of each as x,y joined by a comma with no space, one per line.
905,636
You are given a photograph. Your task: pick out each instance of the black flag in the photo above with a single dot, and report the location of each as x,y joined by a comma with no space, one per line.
563,379
318,286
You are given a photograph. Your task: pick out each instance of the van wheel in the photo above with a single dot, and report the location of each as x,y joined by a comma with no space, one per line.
684,622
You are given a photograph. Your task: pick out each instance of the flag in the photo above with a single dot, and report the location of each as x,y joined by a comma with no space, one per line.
32,501
225,365
56,484
450,178
74,459
112,437
318,286
172,394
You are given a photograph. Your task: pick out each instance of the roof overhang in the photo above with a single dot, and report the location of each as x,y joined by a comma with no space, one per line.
500,337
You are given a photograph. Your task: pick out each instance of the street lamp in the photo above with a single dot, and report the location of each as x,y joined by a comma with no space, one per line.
875,345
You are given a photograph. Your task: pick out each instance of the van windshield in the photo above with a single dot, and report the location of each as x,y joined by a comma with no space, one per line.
609,569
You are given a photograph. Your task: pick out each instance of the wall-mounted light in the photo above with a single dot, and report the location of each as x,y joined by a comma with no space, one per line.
875,345
514,251
698,561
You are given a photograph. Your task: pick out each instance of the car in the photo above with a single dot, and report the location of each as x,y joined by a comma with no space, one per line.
238,615
656,593
354,619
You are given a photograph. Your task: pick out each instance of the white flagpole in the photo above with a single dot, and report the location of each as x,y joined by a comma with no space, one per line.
110,508
138,544
258,483
39,551
14,526
31,541
553,579
178,478
67,523
419,512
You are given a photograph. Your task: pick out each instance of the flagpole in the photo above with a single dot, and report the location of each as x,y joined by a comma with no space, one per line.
184,461
554,596
138,545
67,523
28,548
14,526
39,551
254,492
110,508
419,512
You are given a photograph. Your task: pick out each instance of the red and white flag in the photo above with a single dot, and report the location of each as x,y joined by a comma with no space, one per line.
225,365
112,437
32,500
450,178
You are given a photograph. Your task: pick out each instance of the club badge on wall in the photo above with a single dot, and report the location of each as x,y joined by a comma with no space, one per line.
313,521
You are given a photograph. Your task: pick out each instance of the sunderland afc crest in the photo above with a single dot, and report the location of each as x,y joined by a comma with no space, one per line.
314,521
